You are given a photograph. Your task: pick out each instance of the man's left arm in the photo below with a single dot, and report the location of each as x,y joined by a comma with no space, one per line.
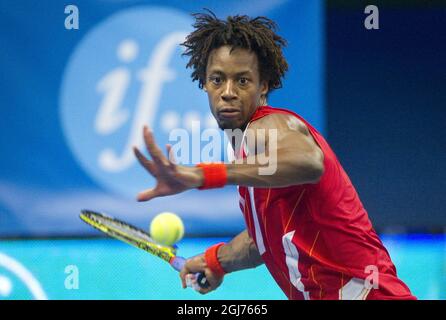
293,157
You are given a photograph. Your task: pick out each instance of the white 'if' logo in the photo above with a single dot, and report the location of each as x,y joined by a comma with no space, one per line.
112,114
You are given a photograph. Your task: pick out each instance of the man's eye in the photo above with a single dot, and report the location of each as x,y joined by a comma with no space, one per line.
215,80
243,81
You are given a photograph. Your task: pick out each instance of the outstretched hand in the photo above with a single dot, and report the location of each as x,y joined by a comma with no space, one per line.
170,177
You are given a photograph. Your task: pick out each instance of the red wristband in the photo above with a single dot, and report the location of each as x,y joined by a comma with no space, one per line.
215,175
211,259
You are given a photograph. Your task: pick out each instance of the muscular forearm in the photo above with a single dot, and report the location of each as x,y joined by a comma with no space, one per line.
240,253
287,169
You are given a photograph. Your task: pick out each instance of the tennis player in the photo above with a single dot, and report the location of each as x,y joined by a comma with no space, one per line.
305,221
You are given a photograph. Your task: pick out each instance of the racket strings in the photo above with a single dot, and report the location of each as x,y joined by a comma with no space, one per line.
130,234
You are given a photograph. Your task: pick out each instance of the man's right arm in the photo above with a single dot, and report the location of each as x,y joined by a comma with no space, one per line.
240,253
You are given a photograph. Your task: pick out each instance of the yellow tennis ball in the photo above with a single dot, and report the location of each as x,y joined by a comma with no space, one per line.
167,228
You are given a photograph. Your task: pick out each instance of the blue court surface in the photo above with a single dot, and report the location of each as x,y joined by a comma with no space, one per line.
109,269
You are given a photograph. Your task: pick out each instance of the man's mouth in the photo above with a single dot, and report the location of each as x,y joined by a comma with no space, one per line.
228,112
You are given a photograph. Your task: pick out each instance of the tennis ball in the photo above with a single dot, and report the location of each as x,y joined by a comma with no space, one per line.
167,228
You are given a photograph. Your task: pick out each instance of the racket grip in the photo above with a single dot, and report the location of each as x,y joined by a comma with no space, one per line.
178,263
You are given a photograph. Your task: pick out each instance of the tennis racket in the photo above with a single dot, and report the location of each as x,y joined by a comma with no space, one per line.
138,238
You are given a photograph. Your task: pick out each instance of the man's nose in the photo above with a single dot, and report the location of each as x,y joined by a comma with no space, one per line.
229,91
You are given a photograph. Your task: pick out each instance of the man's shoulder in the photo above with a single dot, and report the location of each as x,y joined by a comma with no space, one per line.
282,119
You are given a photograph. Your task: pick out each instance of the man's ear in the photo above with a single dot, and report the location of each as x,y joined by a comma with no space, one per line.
264,88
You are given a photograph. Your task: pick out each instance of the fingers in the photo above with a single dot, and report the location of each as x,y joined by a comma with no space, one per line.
183,274
188,272
146,195
190,280
146,163
171,154
154,151
200,289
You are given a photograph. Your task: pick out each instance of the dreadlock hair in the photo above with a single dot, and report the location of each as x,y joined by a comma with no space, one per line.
240,31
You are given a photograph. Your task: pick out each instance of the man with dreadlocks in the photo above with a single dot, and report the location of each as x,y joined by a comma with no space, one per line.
305,221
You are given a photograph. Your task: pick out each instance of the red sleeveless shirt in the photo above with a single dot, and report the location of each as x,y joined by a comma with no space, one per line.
316,239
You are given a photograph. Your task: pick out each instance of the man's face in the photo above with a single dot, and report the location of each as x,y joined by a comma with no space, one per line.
233,85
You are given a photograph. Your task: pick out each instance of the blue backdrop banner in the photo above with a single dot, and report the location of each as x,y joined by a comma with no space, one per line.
74,98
